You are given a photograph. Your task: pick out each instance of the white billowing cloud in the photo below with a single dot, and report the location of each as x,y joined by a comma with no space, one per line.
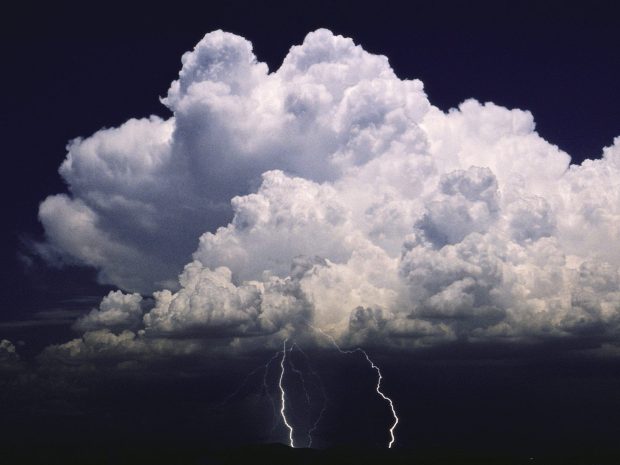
503,140
287,217
466,202
331,194
116,310
589,199
141,194
209,303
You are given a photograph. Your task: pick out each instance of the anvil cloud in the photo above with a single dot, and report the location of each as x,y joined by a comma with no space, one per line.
332,193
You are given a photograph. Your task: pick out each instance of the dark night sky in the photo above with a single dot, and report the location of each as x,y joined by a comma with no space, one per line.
71,69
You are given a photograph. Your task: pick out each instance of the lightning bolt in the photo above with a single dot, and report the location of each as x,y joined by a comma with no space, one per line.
283,397
382,394
318,419
379,379
298,372
265,368
266,389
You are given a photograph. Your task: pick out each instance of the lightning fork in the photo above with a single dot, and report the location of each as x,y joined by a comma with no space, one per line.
264,368
386,398
298,372
283,397
266,389
379,378
318,419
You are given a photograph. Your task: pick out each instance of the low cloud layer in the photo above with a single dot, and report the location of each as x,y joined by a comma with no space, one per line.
332,195
9,360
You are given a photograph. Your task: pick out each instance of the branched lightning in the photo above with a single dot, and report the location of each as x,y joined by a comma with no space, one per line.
386,398
379,378
283,397
232,395
265,369
315,425
318,419
298,373
266,389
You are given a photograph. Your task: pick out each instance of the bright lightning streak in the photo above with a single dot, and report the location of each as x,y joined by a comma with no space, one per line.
389,401
379,378
299,373
283,398
266,389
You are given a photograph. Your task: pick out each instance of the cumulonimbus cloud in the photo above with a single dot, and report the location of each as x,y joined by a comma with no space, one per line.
331,193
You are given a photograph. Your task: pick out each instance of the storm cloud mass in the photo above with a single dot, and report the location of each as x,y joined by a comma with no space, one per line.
332,194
